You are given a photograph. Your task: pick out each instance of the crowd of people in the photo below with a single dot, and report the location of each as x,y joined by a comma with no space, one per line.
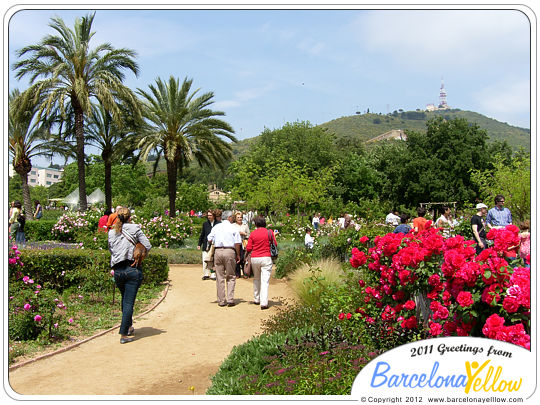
229,248
481,222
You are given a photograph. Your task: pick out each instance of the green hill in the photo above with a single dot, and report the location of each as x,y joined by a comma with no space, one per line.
366,126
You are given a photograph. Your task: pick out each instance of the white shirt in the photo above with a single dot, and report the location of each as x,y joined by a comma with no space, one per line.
392,219
225,234
308,240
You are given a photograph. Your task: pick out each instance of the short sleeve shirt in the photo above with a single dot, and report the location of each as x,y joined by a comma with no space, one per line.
479,222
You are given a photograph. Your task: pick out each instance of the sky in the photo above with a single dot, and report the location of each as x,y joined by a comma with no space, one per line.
269,66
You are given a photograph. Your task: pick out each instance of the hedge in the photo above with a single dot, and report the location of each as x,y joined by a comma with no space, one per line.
63,268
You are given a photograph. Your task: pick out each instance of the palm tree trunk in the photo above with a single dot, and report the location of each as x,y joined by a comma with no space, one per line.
171,177
106,156
27,202
79,133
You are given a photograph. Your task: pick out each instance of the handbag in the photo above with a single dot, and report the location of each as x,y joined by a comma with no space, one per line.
247,265
139,253
210,256
273,247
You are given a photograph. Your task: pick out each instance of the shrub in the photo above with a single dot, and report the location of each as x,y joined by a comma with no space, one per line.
40,230
62,268
308,281
461,293
290,259
324,362
247,359
164,231
71,223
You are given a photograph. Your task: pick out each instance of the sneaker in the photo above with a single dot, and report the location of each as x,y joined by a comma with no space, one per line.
126,340
205,277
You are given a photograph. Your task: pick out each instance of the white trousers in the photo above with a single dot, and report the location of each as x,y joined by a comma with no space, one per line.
205,268
262,270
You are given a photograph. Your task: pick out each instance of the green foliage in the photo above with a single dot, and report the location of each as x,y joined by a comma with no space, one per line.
246,359
40,230
290,259
316,363
192,196
310,280
62,268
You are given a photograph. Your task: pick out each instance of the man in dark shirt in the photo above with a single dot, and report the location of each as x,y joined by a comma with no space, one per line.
478,226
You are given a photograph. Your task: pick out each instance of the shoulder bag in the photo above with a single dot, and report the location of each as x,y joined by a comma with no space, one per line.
273,247
139,253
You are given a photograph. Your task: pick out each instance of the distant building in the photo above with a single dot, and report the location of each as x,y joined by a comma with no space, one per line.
216,194
40,176
398,134
443,105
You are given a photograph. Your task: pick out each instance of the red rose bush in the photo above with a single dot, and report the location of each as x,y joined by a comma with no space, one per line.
425,283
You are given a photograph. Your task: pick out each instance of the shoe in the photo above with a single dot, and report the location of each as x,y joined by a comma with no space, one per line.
212,278
231,304
264,306
205,277
222,305
256,303
131,331
126,340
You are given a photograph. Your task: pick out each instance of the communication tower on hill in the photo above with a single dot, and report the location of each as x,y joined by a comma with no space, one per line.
442,97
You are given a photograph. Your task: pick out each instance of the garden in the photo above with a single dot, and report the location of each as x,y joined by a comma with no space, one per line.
360,291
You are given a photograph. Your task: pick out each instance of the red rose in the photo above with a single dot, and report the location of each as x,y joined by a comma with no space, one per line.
435,329
410,305
465,299
364,239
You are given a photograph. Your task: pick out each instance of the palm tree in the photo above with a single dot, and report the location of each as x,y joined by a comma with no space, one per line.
183,129
27,138
114,142
72,74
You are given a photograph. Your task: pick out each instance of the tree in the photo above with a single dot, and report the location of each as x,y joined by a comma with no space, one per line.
300,142
114,141
437,164
72,74
27,138
182,128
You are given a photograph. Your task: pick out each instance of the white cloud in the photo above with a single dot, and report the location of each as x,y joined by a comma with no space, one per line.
243,96
454,38
508,97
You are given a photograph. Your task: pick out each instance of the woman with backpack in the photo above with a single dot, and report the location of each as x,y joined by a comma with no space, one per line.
16,223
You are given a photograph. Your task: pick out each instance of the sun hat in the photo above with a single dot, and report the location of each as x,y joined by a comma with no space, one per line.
480,205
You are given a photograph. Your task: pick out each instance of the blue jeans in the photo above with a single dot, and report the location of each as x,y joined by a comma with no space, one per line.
128,280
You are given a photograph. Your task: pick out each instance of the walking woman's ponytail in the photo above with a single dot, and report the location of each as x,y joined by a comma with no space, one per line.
124,216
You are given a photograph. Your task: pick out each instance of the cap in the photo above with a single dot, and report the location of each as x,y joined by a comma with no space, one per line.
480,205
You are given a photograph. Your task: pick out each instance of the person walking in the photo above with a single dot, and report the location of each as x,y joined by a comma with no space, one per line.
261,261
499,216
419,223
17,221
128,279
38,213
227,242
203,243
478,226
243,229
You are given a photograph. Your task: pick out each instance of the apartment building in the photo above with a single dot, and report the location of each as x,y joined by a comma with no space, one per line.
40,176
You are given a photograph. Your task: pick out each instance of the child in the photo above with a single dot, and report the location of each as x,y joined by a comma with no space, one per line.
308,239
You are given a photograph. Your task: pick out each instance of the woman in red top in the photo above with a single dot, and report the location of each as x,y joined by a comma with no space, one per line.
261,261
102,224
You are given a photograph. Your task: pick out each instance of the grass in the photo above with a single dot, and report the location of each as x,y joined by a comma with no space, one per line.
309,280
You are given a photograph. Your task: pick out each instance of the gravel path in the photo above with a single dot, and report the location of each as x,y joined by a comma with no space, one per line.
178,345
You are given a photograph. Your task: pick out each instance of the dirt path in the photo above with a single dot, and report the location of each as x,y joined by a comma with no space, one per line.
179,344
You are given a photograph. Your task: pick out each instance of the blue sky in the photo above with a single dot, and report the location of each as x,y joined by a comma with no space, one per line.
268,67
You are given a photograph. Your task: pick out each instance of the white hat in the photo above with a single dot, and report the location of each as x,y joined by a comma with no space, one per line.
480,205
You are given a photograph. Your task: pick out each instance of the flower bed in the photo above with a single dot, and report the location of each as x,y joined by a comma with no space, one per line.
428,285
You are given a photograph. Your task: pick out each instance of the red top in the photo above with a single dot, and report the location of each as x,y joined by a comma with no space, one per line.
102,224
259,244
